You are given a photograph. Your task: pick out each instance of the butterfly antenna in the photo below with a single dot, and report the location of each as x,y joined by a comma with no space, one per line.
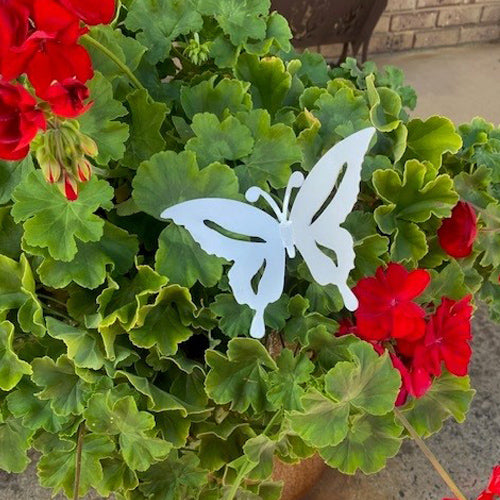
254,193
296,180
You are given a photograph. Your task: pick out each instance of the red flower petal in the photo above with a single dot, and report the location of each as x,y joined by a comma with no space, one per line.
457,233
92,12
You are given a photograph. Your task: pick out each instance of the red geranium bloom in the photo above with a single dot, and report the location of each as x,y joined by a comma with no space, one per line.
457,233
51,52
447,338
415,380
92,11
13,26
386,308
67,98
20,121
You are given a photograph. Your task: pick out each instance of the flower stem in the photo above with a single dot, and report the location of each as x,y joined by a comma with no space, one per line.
125,69
430,456
78,460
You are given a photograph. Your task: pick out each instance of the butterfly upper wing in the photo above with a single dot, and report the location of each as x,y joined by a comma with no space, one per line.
248,256
326,230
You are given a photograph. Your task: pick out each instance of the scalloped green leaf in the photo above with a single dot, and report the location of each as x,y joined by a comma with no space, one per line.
11,174
56,469
138,444
12,368
269,79
208,97
370,441
53,222
286,384
165,324
449,396
16,441
114,252
369,382
241,378
84,347
322,422
174,478
341,115
489,239
385,106
147,117
276,149
430,139
474,187
33,413
239,20
169,178
61,385
10,234
217,140
100,123
159,22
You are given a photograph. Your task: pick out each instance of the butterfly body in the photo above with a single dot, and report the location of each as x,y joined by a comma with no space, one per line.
261,241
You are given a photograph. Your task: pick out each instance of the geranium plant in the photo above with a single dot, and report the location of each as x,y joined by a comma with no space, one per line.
125,360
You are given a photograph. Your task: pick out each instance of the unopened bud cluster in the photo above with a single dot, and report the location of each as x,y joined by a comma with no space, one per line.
62,153
198,53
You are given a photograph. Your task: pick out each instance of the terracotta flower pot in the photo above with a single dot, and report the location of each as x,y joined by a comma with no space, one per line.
299,478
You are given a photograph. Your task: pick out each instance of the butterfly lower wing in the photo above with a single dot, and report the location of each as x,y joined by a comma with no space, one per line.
311,229
249,257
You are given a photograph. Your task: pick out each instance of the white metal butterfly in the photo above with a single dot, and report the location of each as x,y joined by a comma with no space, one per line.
309,226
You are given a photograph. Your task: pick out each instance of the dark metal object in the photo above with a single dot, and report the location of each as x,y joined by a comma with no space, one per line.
322,22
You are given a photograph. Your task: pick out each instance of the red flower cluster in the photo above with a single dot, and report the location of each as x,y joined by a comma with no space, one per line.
418,342
39,38
457,233
492,491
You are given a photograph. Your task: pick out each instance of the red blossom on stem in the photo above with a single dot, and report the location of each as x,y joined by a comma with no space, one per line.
458,232
386,308
20,121
67,98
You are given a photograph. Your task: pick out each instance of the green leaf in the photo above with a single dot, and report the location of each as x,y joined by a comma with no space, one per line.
174,478
219,140
235,319
147,118
11,174
99,121
12,368
260,452
341,115
169,178
369,382
240,20
55,223
127,49
183,261
269,79
322,422
285,385
448,282
414,198
489,240
165,324
119,304
448,396
33,413
65,389
369,443
160,22
276,149
428,140
16,441
241,378
115,252
84,347
116,477
10,234
475,133
474,187
385,106
373,163
206,97
138,445
56,469
17,291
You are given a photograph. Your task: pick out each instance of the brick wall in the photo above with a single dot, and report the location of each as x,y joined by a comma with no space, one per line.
418,24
